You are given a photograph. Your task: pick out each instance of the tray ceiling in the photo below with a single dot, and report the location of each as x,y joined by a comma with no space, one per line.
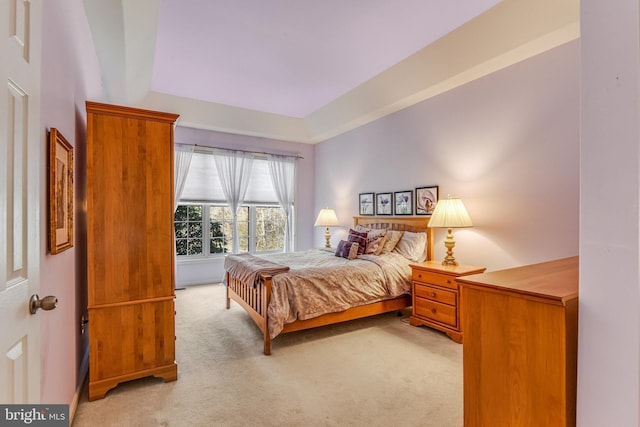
307,70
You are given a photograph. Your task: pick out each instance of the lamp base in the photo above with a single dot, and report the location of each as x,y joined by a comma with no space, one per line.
327,237
449,243
451,262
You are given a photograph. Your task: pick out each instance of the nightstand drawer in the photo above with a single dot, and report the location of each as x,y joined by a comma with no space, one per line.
434,310
434,279
435,294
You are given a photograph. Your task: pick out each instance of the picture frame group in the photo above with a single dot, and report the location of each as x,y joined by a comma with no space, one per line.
420,201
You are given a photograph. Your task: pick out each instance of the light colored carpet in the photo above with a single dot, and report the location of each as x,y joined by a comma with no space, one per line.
378,371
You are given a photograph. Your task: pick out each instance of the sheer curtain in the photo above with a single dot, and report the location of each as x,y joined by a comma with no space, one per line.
181,163
234,171
283,178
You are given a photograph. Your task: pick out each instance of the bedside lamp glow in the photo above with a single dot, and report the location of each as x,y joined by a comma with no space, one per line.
327,218
450,213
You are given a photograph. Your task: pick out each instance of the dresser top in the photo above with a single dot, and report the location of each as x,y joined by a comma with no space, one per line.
454,270
553,280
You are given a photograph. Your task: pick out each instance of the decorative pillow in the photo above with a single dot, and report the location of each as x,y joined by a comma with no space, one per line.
358,237
353,251
348,250
375,239
393,237
412,246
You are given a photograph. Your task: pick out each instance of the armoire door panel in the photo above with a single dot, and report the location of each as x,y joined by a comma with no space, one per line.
133,337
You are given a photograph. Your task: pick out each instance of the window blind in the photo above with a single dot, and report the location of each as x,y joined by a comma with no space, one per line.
203,184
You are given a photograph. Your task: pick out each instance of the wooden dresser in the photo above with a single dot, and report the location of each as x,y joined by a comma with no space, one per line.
435,296
520,345
130,263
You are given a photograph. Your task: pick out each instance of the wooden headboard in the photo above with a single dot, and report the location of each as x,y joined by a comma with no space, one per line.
405,223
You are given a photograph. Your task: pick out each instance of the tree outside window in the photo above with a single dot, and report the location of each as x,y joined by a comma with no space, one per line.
188,229
270,222
260,228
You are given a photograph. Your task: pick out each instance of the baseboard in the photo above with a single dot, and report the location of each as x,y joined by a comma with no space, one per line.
82,379
183,285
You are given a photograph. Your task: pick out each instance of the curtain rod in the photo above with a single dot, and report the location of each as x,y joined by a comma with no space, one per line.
208,148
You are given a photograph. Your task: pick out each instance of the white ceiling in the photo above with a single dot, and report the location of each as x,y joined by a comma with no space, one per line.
306,70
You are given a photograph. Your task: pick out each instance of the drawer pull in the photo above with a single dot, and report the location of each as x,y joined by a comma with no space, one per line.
433,310
433,294
449,282
419,276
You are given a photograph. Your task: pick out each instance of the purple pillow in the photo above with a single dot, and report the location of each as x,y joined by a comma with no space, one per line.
347,250
359,238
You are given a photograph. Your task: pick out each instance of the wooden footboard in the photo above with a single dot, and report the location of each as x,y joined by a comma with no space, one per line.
255,300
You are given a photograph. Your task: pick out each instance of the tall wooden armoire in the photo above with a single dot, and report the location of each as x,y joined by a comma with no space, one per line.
129,246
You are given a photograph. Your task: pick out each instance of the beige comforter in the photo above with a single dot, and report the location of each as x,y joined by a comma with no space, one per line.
319,282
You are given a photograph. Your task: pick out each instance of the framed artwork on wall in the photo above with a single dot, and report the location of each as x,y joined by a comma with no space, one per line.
365,201
60,193
426,199
384,204
403,202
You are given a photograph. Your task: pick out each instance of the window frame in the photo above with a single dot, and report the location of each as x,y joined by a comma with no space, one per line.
187,222
206,229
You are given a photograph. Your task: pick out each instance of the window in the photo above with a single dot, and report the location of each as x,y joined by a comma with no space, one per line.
269,225
188,229
204,221
221,229
261,229
220,221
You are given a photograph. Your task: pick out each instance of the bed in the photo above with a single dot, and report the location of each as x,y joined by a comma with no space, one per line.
259,295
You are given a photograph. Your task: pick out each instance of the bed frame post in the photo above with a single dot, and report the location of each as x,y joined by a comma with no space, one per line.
266,289
227,282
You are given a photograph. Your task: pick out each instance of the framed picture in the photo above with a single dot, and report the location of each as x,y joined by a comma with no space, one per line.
426,199
403,202
366,204
60,193
384,204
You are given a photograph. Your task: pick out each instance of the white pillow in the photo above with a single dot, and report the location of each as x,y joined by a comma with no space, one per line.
412,246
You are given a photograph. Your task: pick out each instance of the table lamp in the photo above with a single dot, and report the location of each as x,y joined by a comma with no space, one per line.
327,218
450,213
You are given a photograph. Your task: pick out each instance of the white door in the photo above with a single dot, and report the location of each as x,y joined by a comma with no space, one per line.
21,144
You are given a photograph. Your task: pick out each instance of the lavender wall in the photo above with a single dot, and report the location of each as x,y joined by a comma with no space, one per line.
70,75
609,322
199,271
507,144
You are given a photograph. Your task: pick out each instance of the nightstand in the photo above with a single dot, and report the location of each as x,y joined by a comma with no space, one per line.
436,297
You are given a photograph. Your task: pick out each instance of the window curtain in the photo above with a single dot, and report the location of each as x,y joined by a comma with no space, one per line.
283,178
234,171
181,163
182,155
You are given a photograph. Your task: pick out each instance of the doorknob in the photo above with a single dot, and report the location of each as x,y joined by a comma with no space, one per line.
46,303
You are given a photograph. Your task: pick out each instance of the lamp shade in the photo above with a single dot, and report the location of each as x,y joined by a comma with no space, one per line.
327,218
450,213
